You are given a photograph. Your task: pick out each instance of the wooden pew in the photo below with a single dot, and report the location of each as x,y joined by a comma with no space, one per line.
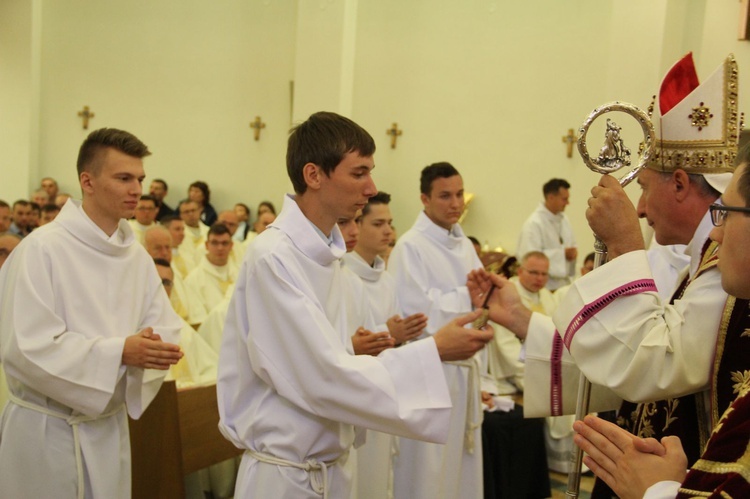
176,436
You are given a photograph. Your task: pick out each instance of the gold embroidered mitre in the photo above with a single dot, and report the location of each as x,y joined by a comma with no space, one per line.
697,125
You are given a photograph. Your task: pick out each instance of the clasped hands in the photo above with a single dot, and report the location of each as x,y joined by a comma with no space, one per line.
146,349
628,464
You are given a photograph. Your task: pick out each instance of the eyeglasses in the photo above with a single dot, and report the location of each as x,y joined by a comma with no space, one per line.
719,213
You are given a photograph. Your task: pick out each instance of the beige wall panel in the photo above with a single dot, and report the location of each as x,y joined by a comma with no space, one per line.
186,77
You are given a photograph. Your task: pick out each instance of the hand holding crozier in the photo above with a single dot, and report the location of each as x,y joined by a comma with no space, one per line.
612,217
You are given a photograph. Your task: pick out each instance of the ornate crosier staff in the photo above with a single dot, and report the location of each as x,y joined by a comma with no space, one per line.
612,157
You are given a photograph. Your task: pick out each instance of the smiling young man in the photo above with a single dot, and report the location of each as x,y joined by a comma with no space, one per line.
83,317
290,390
430,263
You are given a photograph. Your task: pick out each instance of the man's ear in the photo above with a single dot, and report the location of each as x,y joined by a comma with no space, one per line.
425,199
86,182
680,184
313,175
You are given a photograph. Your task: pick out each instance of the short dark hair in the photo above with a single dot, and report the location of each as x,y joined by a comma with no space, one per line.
379,198
4,204
35,207
554,185
162,182
434,171
590,257
50,208
21,202
92,150
168,219
218,229
199,184
324,139
148,197
474,240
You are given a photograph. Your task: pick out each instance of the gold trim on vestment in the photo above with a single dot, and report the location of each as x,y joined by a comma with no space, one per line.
720,340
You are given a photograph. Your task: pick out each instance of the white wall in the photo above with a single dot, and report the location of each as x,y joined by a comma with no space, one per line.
491,86
19,34
186,77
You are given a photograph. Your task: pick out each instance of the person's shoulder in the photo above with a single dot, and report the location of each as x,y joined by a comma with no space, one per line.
50,235
271,245
411,237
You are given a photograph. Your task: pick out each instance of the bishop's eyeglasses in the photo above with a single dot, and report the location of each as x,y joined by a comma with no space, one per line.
719,213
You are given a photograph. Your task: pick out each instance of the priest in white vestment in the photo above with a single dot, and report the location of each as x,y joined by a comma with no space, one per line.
145,217
84,322
232,222
548,230
193,246
214,278
290,391
212,328
430,263
200,362
176,227
158,243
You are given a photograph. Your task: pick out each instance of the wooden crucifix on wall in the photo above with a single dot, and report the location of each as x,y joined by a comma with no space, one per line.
394,132
569,140
256,126
86,114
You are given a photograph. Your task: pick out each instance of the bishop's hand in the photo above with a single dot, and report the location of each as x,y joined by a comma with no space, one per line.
613,218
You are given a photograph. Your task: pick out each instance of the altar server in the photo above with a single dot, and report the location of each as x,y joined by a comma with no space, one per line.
84,332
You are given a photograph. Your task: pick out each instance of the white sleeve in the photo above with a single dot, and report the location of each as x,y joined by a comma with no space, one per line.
552,377
662,490
284,337
621,334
